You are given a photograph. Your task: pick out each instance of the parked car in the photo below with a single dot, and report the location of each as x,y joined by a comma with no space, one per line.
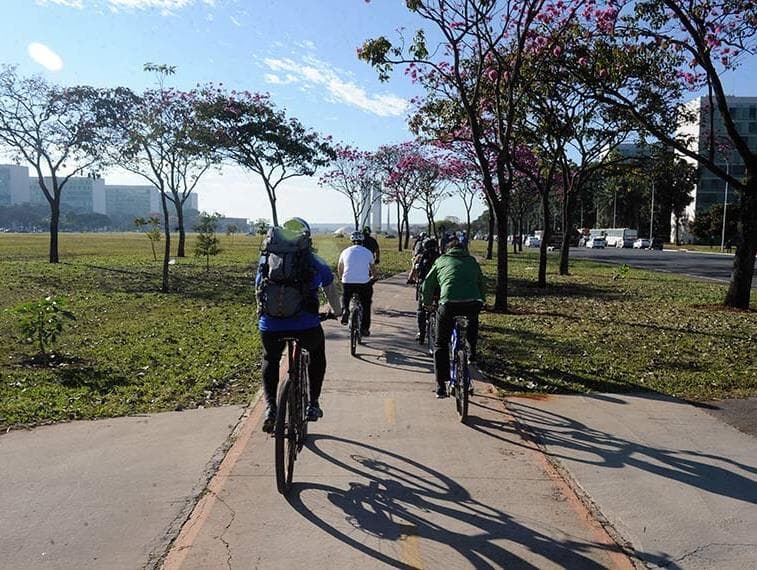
532,241
656,243
641,243
596,242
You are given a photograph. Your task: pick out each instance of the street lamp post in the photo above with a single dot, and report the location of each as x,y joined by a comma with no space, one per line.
725,206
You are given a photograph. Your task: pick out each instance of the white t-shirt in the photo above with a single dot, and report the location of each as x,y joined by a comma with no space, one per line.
356,261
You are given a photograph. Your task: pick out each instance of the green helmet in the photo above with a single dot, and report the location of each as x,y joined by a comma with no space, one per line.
297,226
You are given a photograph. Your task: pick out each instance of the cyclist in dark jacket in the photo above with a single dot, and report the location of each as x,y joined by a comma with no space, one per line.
421,267
370,243
458,276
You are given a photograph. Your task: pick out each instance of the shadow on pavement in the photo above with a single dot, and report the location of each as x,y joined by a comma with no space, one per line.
609,451
391,497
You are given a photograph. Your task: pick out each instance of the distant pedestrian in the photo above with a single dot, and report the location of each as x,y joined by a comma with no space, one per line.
728,246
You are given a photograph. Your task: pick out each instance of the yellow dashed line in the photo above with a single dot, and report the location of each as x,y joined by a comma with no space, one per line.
410,551
390,411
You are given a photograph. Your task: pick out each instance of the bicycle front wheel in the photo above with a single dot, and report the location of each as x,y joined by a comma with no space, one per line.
286,438
462,385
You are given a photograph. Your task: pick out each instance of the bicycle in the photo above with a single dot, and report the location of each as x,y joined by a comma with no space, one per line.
356,322
291,416
459,375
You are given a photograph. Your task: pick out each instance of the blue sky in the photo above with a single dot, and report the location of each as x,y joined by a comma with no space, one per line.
301,51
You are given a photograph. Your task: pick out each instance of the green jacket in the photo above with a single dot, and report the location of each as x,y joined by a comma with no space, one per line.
457,275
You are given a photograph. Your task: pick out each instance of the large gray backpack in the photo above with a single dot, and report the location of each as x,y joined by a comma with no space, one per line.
286,274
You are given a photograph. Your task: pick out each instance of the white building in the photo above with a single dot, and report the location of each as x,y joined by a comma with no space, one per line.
14,184
711,189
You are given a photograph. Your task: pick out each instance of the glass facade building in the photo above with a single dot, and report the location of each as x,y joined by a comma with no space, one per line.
710,189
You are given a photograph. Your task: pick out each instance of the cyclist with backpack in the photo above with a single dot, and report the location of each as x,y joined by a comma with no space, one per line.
287,282
356,270
458,276
421,267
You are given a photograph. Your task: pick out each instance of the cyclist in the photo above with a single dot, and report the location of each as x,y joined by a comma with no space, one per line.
371,244
418,243
355,270
304,323
458,276
421,267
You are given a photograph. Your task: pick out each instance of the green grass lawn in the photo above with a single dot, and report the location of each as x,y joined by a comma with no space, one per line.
644,331
133,349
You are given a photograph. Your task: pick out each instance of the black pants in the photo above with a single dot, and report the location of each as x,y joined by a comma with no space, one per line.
365,291
445,322
273,346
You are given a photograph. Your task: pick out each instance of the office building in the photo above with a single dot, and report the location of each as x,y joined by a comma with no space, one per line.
14,184
710,189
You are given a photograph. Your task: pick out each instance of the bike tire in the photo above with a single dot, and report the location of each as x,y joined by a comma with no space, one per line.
430,333
286,438
353,340
462,384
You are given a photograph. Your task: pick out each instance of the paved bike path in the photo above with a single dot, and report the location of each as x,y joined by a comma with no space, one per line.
391,479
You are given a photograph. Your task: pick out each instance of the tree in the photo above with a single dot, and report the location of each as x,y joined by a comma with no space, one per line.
60,132
231,231
654,53
261,226
353,175
207,243
160,141
400,182
474,84
153,234
248,129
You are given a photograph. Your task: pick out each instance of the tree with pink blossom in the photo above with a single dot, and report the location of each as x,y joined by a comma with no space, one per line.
352,173
644,57
477,68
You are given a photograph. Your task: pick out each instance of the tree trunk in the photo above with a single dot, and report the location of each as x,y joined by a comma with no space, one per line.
406,223
500,298
399,228
546,236
180,223
54,223
167,250
490,240
567,229
467,223
740,287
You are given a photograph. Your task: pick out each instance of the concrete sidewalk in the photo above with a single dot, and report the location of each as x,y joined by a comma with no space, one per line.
679,485
107,493
392,479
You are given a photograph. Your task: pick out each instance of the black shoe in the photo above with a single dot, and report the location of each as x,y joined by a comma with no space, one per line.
365,334
344,320
314,412
441,393
269,421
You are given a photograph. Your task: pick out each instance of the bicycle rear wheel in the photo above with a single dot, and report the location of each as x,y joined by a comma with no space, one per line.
462,384
430,332
286,437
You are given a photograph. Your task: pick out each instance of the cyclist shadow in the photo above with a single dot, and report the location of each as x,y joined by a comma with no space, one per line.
392,497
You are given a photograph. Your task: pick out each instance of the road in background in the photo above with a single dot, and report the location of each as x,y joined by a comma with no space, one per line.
714,266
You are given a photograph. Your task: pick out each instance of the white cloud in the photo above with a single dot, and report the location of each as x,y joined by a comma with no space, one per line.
44,56
315,72
165,6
